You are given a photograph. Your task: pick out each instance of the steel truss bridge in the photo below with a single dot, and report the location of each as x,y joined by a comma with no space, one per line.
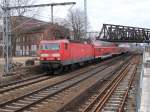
120,33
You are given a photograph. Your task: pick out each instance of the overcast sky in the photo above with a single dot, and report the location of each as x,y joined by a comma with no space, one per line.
123,12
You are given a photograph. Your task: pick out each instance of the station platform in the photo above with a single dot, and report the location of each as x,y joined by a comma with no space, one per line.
144,105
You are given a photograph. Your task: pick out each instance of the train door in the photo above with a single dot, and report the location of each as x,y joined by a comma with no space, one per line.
66,53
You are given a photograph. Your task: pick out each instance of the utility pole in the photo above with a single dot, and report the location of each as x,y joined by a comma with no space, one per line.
85,18
7,51
52,16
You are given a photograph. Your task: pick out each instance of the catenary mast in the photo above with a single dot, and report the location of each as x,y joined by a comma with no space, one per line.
7,51
85,18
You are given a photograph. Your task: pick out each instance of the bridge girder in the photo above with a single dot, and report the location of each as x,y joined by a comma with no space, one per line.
120,33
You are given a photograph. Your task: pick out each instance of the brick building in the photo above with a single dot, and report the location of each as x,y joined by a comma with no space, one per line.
31,31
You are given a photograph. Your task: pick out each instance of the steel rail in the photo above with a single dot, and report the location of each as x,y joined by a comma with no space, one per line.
111,90
11,101
108,85
22,83
29,82
128,89
25,107
31,78
105,78
67,87
16,85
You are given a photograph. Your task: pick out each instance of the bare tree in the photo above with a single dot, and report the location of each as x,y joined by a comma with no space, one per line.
61,28
16,18
76,20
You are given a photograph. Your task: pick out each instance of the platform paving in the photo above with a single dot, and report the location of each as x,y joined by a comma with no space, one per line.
145,82
145,94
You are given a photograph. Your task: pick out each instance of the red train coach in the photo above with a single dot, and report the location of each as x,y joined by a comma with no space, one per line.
105,49
55,54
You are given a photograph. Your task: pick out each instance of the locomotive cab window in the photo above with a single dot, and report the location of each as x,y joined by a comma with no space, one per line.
66,46
50,46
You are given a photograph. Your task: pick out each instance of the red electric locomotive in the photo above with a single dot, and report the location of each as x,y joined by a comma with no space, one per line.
55,54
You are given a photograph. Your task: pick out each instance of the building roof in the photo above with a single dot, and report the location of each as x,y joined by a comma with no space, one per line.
26,23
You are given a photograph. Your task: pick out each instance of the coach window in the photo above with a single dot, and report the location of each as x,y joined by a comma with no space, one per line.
66,46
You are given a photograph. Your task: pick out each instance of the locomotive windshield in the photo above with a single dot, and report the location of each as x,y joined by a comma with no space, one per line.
50,46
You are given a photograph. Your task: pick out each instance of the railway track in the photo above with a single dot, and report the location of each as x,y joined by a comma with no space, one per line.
30,99
19,81
22,83
116,98
32,80
111,97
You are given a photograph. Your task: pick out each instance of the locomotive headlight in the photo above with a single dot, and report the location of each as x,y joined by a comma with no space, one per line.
44,55
56,55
